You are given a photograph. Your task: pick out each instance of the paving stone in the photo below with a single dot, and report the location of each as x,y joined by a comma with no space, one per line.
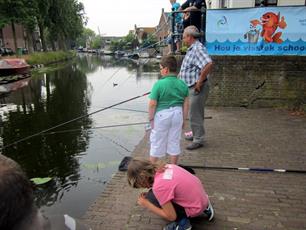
236,137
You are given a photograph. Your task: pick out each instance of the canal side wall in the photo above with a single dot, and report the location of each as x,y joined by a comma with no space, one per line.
258,81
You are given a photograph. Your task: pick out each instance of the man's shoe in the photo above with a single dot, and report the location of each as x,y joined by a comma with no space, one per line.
194,145
209,211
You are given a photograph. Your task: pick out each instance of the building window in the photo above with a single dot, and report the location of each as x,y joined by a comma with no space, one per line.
265,2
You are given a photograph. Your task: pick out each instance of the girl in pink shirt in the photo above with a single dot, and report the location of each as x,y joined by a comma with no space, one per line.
175,194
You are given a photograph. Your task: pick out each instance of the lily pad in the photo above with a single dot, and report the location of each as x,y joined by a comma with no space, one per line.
39,181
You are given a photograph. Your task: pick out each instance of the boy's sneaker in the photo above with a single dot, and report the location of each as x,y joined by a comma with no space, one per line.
183,224
209,211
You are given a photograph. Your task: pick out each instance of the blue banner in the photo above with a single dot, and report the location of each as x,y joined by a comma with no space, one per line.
257,31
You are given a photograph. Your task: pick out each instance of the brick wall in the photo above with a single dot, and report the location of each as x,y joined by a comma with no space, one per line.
258,81
8,39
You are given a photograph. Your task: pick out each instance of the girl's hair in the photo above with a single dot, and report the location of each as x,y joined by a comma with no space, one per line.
141,172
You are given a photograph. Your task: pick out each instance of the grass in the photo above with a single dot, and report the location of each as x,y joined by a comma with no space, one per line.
48,57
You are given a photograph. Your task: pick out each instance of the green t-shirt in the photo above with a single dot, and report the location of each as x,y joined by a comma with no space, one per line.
169,91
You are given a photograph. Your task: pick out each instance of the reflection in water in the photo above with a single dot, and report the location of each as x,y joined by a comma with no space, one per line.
64,94
49,100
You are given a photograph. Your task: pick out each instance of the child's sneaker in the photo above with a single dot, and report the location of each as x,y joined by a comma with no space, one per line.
183,224
209,211
170,226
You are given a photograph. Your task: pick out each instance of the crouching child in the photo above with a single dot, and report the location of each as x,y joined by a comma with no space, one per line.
170,195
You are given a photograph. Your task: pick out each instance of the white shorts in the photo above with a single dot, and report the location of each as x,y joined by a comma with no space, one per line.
166,134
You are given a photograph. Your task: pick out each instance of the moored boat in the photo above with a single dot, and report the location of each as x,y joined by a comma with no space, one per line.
13,66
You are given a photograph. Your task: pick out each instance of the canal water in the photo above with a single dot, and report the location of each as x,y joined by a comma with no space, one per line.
79,158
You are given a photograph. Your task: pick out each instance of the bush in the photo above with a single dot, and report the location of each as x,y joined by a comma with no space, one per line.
49,57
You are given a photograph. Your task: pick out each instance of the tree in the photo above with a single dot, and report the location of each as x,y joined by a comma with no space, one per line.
86,37
96,42
16,12
66,21
129,42
62,20
41,8
150,41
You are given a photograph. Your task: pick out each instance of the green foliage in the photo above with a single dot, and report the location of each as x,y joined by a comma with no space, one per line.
150,41
184,49
49,57
63,20
96,42
129,42
66,20
87,36
17,11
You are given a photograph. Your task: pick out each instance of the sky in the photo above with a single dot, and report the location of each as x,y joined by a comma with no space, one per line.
117,17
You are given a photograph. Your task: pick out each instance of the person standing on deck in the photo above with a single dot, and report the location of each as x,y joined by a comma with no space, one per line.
194,72
178,24
168,109
192,16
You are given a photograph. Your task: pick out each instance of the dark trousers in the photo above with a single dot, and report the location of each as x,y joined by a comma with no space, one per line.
180,211
194,19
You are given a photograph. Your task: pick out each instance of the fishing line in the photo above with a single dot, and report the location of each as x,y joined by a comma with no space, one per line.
113,74
123,109
75,119
132,110
116,143
131,75
147,47
99,127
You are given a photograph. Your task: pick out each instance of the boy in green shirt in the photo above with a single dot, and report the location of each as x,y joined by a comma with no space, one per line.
168,109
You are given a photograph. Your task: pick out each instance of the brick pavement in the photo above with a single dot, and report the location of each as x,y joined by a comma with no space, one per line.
236,137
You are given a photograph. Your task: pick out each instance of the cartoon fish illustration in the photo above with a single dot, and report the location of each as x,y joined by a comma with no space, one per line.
270,22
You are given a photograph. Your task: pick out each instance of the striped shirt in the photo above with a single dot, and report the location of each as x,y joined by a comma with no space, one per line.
195,60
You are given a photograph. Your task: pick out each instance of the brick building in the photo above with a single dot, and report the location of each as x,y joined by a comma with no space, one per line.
24,40
7,39
143,32
163,29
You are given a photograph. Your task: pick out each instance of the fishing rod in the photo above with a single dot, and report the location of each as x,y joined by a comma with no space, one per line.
246,169
75,119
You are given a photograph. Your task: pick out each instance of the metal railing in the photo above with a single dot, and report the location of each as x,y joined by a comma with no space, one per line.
175,33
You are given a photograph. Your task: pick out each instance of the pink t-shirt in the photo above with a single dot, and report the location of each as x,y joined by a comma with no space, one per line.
179,186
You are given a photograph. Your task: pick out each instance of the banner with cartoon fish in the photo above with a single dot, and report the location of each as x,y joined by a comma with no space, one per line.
257,31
